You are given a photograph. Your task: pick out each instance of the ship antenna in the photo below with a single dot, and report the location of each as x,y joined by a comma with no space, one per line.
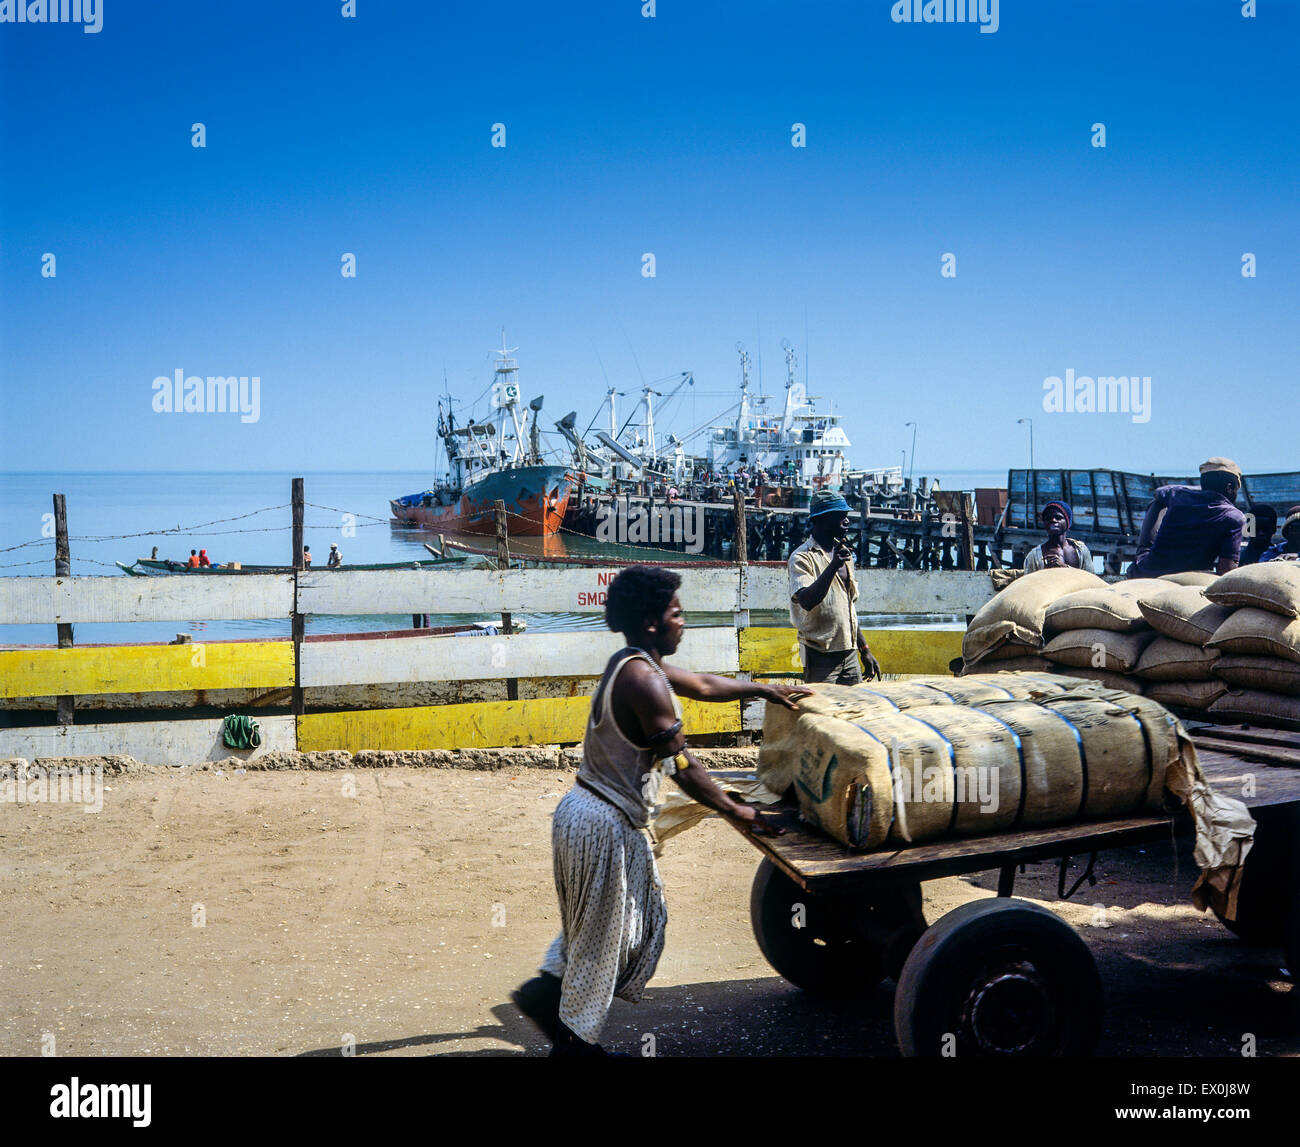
805,346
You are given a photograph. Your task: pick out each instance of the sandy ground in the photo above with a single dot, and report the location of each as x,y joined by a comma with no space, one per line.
275,914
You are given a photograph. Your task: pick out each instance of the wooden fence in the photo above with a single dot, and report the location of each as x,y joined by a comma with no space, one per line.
736,649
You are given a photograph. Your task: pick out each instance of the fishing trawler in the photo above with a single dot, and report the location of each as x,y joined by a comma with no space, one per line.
801,447
489,462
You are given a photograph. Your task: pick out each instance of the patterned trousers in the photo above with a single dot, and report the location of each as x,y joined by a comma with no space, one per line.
612,910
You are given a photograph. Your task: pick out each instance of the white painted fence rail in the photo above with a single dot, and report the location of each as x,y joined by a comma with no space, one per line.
239,597
150,742
86,600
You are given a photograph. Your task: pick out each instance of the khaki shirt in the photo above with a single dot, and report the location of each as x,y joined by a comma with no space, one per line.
832,625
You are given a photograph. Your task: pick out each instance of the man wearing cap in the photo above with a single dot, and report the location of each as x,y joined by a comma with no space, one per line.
1289,548
1189,529
823,598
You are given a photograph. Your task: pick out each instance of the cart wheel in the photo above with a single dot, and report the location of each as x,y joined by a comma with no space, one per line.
999,977
1270,878
836,946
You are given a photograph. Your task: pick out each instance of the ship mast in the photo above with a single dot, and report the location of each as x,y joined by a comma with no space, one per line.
791,365
743,417
506,397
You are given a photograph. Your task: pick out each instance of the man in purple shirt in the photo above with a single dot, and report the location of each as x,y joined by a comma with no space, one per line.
1193,529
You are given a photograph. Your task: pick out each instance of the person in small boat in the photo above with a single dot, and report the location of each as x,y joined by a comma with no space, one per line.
336,556
306,557
1288,549
1060,551
193,563
612,908
1265,523
204,561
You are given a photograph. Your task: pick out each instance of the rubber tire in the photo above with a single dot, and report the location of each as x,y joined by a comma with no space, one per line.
1270,879
986,942
831,955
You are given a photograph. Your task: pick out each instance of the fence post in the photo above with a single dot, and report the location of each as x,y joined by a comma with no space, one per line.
740,615
66,706
503,535
299,623
966,555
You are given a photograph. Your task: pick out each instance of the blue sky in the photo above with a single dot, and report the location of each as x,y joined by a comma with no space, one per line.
627,135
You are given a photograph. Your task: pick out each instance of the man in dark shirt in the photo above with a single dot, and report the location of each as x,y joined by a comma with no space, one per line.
1189,529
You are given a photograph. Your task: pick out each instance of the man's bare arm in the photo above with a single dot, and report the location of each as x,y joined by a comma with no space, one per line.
712,687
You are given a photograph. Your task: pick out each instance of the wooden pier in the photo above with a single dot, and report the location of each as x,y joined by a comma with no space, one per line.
945,537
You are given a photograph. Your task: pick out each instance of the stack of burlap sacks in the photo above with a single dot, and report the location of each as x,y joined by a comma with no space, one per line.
1227,648
1257,644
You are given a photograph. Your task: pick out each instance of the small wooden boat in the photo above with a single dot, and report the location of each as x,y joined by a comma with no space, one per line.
144,567
524,560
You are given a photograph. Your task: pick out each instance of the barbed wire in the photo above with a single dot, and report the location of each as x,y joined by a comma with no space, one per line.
178,529
336,510
33,542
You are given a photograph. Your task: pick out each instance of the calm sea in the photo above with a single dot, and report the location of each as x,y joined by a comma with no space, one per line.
242,517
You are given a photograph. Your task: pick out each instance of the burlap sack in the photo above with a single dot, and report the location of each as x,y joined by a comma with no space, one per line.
1271,674
1184,613
1093,609
1014,665
1011,651
1017,612
1274,586
1256,707
1191,577
1120,681
1186,694
1258,632
1168,660
1098,649
1115,607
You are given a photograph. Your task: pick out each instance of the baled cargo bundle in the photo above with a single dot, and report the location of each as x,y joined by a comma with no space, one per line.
1051,751
783,729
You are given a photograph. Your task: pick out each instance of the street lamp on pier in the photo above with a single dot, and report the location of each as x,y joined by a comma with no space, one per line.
1030,421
